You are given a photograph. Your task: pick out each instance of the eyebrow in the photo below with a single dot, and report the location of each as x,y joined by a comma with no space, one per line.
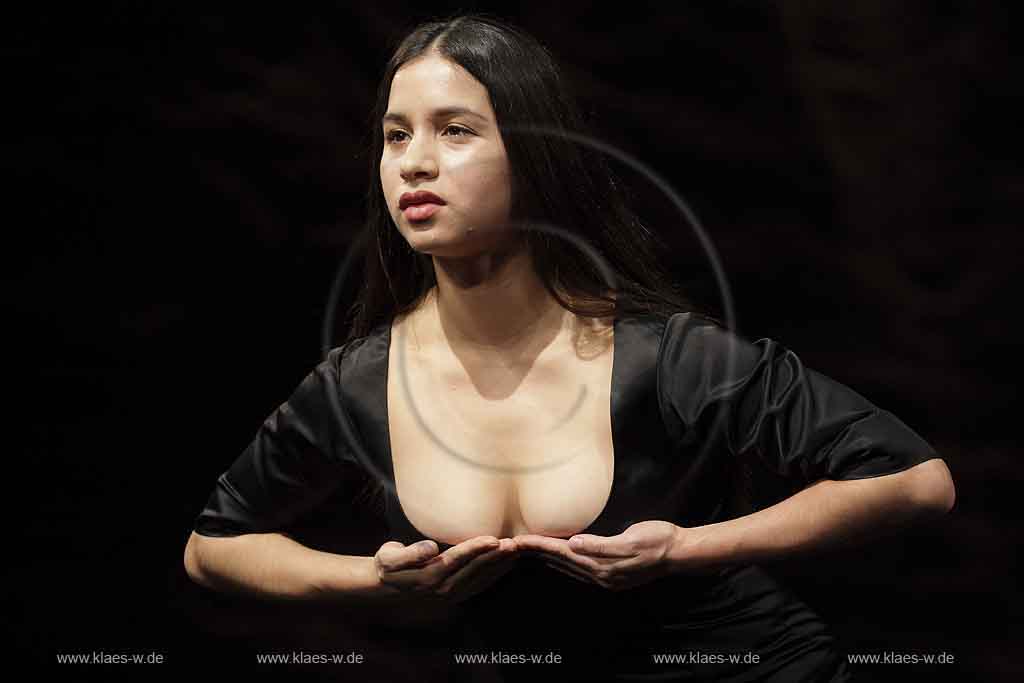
441,112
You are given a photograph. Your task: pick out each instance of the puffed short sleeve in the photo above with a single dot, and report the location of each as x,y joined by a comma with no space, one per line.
788,420
298,456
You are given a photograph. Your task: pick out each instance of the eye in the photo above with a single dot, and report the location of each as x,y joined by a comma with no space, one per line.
390,137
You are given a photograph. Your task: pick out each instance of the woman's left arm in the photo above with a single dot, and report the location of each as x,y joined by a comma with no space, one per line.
827,467
823,516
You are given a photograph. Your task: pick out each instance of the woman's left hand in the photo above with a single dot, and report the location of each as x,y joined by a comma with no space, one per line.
638,555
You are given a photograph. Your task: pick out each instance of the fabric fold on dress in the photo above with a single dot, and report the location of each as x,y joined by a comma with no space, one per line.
699,415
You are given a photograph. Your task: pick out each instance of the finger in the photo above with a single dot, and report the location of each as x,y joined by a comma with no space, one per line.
481,572
557,548
430,569
420,552
459,556
601,546
504,550
538,543
402,566
560,546
544,546
394,556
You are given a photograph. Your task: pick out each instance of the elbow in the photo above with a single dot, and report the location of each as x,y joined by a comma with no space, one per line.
933,490
192,560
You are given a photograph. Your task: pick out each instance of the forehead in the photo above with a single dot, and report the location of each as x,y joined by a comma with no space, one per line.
431,82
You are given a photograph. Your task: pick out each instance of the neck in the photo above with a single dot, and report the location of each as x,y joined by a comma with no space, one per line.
493,303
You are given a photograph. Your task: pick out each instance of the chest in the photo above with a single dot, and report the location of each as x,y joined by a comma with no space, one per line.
501,450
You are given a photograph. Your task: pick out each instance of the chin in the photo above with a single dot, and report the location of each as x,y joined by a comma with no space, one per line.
451,251
438,242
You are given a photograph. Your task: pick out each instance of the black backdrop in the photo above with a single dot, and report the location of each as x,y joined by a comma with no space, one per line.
185,182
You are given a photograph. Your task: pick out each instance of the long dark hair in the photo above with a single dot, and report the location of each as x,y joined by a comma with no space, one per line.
555,181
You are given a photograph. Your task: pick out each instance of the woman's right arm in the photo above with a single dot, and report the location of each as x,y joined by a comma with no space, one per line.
301,454
425,587
274,565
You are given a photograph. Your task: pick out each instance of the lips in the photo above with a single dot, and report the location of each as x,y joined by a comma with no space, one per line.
419,197
421,212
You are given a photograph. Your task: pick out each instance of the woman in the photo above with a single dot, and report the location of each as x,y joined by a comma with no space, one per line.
565,445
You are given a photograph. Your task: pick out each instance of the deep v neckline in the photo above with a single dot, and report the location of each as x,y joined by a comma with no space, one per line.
613,405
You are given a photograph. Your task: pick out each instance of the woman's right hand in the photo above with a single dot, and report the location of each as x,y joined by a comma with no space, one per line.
455,575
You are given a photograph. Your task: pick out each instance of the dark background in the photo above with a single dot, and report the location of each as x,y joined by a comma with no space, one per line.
185,183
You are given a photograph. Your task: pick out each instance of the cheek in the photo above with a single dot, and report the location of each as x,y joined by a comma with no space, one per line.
486,184
389,186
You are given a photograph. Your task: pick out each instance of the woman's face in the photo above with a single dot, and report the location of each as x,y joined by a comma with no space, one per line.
457,155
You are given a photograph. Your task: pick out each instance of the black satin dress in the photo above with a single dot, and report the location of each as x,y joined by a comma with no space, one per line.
692,406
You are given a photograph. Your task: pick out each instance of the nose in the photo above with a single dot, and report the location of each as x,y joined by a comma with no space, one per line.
418,160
